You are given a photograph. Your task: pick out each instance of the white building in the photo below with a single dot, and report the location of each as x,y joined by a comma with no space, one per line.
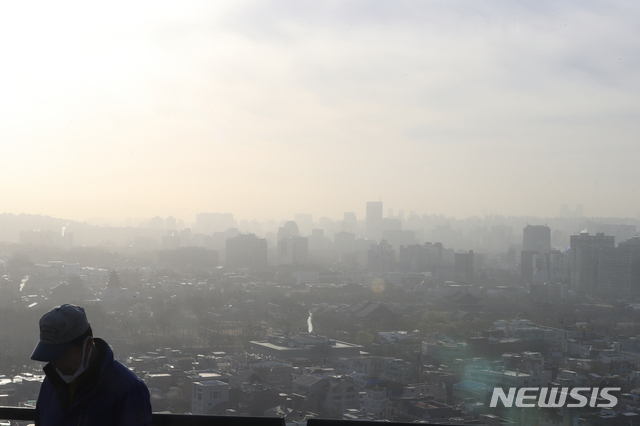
374,401
207,394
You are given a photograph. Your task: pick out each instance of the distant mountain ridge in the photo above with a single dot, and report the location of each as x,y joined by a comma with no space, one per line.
83,233
11,225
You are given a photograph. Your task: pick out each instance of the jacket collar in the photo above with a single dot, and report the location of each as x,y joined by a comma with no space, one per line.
87,380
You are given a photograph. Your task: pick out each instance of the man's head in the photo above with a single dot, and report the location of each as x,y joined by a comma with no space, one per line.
61,330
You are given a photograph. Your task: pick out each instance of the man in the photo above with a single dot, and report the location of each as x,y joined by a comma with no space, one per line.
84,384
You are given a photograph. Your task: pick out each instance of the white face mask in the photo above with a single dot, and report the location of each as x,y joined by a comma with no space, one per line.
69,378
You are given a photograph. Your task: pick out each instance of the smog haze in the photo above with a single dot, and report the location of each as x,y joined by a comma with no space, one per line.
266,109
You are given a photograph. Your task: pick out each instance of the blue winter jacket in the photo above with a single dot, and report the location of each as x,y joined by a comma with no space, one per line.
108,394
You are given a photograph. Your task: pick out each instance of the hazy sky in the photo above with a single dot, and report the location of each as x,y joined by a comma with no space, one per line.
270,108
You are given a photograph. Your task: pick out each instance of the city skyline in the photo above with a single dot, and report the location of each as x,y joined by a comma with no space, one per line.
232,220
270,108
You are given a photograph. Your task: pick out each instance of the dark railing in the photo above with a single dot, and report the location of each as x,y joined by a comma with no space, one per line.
199,420
15,413
332,422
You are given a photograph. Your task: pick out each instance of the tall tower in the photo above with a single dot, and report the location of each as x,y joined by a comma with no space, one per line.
536,238
246,251
584,257
374,220
463,267
536,244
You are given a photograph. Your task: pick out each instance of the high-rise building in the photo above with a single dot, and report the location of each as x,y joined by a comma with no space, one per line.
304,222
619,269
171,241
381,257
171,223
584,253
500,238
417,257
156,223
463,266
528,261
374,220
293,251
208,223
398,238
246,251
536,244
391,224
349,222
536,238
290,229
318,242
622,232
557,267
345,242
550,267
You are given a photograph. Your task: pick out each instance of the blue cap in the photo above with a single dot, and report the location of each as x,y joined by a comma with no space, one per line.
58,328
